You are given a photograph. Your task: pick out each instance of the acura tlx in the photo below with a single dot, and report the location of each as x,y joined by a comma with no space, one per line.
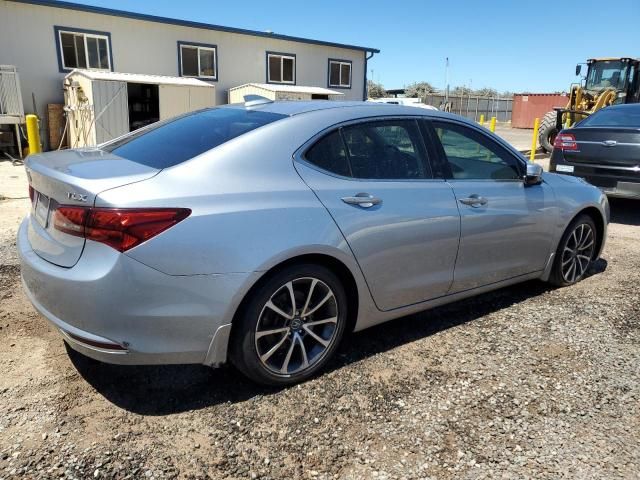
260,233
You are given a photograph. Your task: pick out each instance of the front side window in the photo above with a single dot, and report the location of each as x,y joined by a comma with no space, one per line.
281,68
198,61
471,156
340,73
84,50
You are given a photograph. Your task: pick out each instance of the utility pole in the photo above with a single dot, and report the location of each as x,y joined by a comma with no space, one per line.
446,80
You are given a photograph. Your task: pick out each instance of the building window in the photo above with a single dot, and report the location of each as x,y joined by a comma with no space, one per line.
83,49
339,73
281,68
198,60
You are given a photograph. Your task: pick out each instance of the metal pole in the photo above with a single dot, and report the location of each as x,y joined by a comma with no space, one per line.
19,141
534,140
446,80
33,134
475,118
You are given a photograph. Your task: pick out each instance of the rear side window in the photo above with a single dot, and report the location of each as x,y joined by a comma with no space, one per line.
173,142
330,155
381,150
390,150
613,117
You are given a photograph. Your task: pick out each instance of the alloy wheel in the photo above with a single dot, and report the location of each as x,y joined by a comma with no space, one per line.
296,326
578,252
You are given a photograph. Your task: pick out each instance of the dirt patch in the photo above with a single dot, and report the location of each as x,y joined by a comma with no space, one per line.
527,381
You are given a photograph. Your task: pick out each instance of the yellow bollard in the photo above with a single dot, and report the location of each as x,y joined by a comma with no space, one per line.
482,120
33,134
492,125
534,140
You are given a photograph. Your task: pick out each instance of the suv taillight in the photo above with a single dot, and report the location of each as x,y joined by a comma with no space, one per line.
565,141
120,228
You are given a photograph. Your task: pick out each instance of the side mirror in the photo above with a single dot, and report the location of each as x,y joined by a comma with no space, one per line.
533,175
578,69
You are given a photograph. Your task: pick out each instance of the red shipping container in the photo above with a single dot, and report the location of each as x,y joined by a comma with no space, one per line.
529,106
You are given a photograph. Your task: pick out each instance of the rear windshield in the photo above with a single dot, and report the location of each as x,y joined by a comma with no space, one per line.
176,141
613,117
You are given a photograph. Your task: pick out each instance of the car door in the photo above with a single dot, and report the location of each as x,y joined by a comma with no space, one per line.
506,226
401,223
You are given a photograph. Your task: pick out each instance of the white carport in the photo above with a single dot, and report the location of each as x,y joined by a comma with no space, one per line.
104,105
282,92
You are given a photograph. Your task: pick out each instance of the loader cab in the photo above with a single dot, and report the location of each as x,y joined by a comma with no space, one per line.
633,95
619,74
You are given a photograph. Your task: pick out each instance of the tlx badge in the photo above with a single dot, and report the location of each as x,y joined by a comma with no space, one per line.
76,196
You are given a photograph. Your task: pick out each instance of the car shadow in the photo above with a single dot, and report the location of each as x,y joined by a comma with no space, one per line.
168,389
625,211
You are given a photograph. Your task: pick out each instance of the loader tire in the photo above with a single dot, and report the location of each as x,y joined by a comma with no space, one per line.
548,131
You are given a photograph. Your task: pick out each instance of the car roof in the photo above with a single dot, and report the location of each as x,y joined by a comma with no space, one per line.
297,107
623,105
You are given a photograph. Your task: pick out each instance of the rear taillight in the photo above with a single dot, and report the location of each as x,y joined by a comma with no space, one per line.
70,220
565,141
120,228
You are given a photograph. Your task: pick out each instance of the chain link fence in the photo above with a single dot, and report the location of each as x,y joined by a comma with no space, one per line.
472,107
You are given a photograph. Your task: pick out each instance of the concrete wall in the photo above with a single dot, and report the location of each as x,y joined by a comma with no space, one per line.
27,41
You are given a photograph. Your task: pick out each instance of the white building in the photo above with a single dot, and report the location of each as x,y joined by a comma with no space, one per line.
47,39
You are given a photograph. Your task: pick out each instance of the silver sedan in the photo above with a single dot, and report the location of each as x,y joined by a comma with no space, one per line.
260,233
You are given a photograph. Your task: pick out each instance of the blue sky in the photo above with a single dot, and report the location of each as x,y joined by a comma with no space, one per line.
508,45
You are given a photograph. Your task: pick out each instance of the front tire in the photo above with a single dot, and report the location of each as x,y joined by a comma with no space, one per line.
576,252
291,325
548,131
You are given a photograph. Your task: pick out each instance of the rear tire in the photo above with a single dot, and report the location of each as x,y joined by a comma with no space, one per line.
291,325
548,131
576,252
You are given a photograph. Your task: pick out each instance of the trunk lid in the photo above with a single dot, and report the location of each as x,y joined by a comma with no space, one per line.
72,177
605,146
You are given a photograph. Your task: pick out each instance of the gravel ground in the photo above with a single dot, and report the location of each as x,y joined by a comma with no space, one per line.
525,382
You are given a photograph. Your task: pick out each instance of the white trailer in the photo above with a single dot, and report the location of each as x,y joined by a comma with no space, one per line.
282,92
101,105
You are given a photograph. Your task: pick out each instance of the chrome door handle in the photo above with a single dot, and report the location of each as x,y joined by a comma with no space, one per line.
474,200
362,200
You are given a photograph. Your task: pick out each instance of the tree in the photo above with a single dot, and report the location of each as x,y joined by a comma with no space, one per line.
375,90
461,91
486,92
418,89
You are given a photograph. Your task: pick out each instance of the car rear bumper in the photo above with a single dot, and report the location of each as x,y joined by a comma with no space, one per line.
115,309
623,190
615,181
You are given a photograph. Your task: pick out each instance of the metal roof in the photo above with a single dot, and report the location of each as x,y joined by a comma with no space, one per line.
138,78
276,87
187,23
